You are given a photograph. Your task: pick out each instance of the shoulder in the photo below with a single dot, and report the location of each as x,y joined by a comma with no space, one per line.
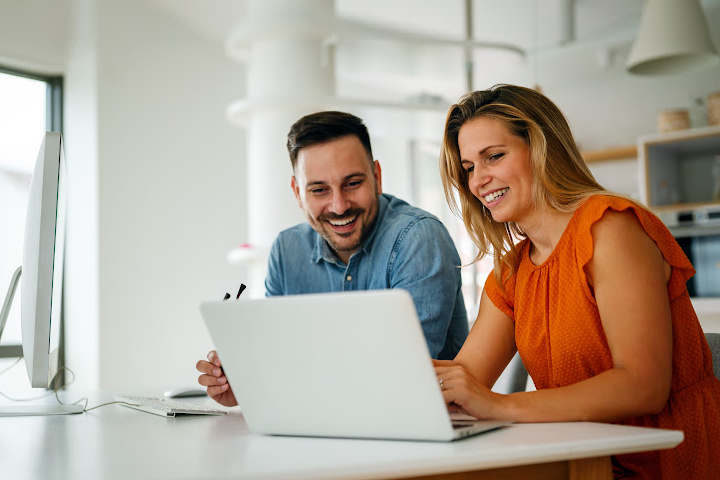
617,226
398,208
299,230
298,236
400,215
596,205
621,243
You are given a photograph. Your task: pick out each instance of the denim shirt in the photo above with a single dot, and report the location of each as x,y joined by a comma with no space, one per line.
407,248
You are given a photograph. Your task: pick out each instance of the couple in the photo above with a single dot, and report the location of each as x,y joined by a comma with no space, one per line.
588,286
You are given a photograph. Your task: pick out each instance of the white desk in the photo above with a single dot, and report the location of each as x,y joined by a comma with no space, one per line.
116,442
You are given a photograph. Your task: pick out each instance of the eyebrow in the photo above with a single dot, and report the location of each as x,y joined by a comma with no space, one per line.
481,152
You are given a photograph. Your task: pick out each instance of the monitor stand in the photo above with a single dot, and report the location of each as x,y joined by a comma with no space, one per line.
9,410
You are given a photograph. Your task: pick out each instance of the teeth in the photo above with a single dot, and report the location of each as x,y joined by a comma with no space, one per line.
342,223
496,194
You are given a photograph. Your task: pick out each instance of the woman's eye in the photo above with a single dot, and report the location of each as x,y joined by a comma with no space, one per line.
496,157
469,168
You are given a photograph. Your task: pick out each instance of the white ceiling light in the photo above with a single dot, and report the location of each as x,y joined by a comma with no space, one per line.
673,37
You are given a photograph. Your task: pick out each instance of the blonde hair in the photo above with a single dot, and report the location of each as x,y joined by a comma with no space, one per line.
562,179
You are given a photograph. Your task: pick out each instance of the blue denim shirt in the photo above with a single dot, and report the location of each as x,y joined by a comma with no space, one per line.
407,248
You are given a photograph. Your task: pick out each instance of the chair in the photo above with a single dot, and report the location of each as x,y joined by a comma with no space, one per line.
713,340
514,378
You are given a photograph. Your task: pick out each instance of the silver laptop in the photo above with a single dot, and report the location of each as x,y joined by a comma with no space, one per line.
351,364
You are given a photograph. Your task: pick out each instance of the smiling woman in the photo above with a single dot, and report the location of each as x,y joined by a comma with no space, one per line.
589,288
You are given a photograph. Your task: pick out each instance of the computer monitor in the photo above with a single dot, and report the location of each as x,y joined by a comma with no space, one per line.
41,275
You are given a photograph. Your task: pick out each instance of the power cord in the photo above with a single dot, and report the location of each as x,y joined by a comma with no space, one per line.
56,389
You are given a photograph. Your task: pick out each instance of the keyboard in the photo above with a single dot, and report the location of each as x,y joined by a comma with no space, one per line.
165,407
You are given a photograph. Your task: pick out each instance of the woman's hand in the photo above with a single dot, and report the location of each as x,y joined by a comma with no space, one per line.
465,394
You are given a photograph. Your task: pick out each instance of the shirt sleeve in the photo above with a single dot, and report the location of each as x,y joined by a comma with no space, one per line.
502,299
274,280
426,264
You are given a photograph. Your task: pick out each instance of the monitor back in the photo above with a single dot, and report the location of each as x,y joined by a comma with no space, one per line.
43,248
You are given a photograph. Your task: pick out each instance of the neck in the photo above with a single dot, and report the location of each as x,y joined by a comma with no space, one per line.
544,231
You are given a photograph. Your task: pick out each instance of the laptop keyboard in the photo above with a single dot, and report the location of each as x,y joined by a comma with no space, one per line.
165,407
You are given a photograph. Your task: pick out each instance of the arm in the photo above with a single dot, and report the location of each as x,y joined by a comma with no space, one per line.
487,351
629,278
427,265
273,280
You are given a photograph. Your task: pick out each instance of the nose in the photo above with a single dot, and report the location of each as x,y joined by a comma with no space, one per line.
477,180
339,203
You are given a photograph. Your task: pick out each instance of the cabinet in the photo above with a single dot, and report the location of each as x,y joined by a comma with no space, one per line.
678,186
678,177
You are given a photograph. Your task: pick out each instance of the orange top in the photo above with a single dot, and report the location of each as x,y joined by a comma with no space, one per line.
561,340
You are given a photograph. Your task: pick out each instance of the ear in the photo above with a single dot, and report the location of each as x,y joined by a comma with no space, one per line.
296,190
377,173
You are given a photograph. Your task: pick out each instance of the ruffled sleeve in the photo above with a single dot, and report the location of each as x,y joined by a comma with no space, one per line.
593,210
504,299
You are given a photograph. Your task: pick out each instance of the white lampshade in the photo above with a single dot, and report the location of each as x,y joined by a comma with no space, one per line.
673,37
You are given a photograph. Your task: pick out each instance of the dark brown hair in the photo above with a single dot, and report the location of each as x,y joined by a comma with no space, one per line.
323,127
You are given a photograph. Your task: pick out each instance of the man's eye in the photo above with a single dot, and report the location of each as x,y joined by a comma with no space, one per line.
318,191
354,184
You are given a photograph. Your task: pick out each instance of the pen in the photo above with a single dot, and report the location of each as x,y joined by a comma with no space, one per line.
242,287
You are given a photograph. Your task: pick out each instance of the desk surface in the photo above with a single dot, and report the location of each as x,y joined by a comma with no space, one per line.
116,442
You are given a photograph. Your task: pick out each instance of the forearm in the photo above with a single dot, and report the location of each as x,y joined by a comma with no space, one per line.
613,395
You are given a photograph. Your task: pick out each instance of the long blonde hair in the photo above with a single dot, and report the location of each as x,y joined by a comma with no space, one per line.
562,179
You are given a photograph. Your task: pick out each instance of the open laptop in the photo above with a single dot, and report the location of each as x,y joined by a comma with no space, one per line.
351,364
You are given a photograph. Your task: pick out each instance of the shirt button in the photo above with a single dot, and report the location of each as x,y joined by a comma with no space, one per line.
348,278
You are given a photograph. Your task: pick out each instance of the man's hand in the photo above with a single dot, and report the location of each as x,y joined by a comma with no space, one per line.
213,377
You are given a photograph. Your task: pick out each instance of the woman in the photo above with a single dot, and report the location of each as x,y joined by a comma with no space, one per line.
589,287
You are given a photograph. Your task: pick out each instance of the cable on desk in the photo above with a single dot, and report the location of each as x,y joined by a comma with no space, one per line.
56,389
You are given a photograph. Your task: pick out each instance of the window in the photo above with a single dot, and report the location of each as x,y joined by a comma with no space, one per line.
30,105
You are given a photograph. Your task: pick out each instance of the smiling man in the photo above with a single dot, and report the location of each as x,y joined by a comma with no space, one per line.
359,238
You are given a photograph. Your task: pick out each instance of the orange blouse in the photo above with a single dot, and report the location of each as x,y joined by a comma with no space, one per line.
561,340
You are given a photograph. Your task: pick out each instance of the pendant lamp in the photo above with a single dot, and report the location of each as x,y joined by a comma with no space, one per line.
673,37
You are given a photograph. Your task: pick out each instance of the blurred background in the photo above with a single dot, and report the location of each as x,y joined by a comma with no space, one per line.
174,115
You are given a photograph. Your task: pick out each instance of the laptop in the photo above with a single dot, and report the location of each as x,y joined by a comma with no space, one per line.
350,364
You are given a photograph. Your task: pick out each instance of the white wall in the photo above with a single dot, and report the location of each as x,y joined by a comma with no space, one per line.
171,199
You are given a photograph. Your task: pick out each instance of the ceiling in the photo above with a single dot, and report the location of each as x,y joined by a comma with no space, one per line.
529,24
542,34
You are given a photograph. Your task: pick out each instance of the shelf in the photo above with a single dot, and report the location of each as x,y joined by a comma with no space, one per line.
677,168
610,154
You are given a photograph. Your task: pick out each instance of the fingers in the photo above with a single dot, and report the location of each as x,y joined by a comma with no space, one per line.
213,358
212,372
217,390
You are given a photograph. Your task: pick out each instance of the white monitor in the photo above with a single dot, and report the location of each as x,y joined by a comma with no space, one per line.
41,275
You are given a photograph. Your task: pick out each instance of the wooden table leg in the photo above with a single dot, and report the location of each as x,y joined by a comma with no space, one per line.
599,468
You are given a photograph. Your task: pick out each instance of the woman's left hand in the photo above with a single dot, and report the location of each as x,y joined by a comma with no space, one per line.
463,393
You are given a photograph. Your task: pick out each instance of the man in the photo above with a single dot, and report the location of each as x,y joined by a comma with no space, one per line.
357,238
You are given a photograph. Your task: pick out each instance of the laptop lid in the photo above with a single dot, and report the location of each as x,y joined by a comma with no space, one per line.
350,364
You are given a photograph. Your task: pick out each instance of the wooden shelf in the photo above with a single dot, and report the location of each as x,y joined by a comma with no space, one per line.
610,154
